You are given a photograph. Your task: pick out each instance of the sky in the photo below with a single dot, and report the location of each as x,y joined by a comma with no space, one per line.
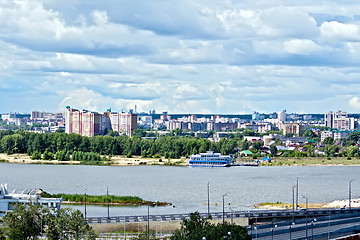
183,56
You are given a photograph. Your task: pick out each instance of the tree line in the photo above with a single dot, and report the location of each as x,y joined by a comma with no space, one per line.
62,146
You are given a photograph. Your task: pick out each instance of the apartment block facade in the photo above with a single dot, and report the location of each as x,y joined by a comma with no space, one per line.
87,123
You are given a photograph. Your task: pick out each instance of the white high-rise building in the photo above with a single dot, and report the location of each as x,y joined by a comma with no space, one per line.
282,116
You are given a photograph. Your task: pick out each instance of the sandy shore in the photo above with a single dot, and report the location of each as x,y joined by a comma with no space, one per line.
334,204
116,160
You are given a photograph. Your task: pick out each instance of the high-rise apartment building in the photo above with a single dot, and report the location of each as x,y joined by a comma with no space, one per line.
339,120
89,124
282,116
123,123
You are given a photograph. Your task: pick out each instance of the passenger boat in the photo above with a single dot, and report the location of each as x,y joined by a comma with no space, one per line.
8,200
251,163
210,159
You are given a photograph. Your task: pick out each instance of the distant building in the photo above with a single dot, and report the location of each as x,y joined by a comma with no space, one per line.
339,120
282,116
292,128
87,123
336,135
8,116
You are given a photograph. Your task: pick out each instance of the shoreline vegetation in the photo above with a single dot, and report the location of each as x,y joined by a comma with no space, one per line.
103,199
119,160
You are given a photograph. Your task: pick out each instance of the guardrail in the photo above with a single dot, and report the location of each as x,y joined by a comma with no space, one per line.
227,215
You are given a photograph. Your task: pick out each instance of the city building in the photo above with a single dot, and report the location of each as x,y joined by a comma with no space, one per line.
336,135
87,123
292,128
282,116
340,120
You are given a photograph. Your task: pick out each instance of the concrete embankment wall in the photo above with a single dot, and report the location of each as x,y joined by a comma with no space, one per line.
164,227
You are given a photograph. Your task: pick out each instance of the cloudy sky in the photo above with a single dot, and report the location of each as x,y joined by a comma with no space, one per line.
181,56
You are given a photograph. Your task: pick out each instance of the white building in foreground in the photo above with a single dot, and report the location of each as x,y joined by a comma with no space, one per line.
8,201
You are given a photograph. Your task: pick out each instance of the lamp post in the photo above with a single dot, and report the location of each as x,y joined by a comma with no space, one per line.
297,193
224,206
312,230
85,203
208,198
148,223
272,231
290,228
306,209
148,220
293,203
350,193
256,233
107,196
231,210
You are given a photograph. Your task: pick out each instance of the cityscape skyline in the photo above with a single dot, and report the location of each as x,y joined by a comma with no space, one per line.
206,57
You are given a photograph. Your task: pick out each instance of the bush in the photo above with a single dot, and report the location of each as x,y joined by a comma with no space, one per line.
36,155
48,155
128,155
348,158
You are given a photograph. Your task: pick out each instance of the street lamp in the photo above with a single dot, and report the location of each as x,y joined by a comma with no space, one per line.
107,196
148,220
350,192
208,196
85,203
312,230
293,202
290,228
306,209
297,192
232,214
272,231
224,206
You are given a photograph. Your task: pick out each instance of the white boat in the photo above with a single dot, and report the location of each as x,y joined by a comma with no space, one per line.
8,201
210,159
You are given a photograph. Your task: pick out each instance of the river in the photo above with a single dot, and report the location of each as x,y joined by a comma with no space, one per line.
185,188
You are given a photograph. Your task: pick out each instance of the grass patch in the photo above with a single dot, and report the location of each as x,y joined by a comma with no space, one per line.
102,199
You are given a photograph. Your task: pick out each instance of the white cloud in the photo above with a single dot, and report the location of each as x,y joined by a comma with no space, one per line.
354,102
220,56
334,31
302,47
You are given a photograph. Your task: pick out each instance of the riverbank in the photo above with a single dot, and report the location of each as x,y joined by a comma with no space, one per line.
138,160
334,204
313,161
115,161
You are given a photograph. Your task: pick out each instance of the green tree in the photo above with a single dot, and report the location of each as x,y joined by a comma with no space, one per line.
36,155
352,151
29,221
23,223
197,228
329,140
273,150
